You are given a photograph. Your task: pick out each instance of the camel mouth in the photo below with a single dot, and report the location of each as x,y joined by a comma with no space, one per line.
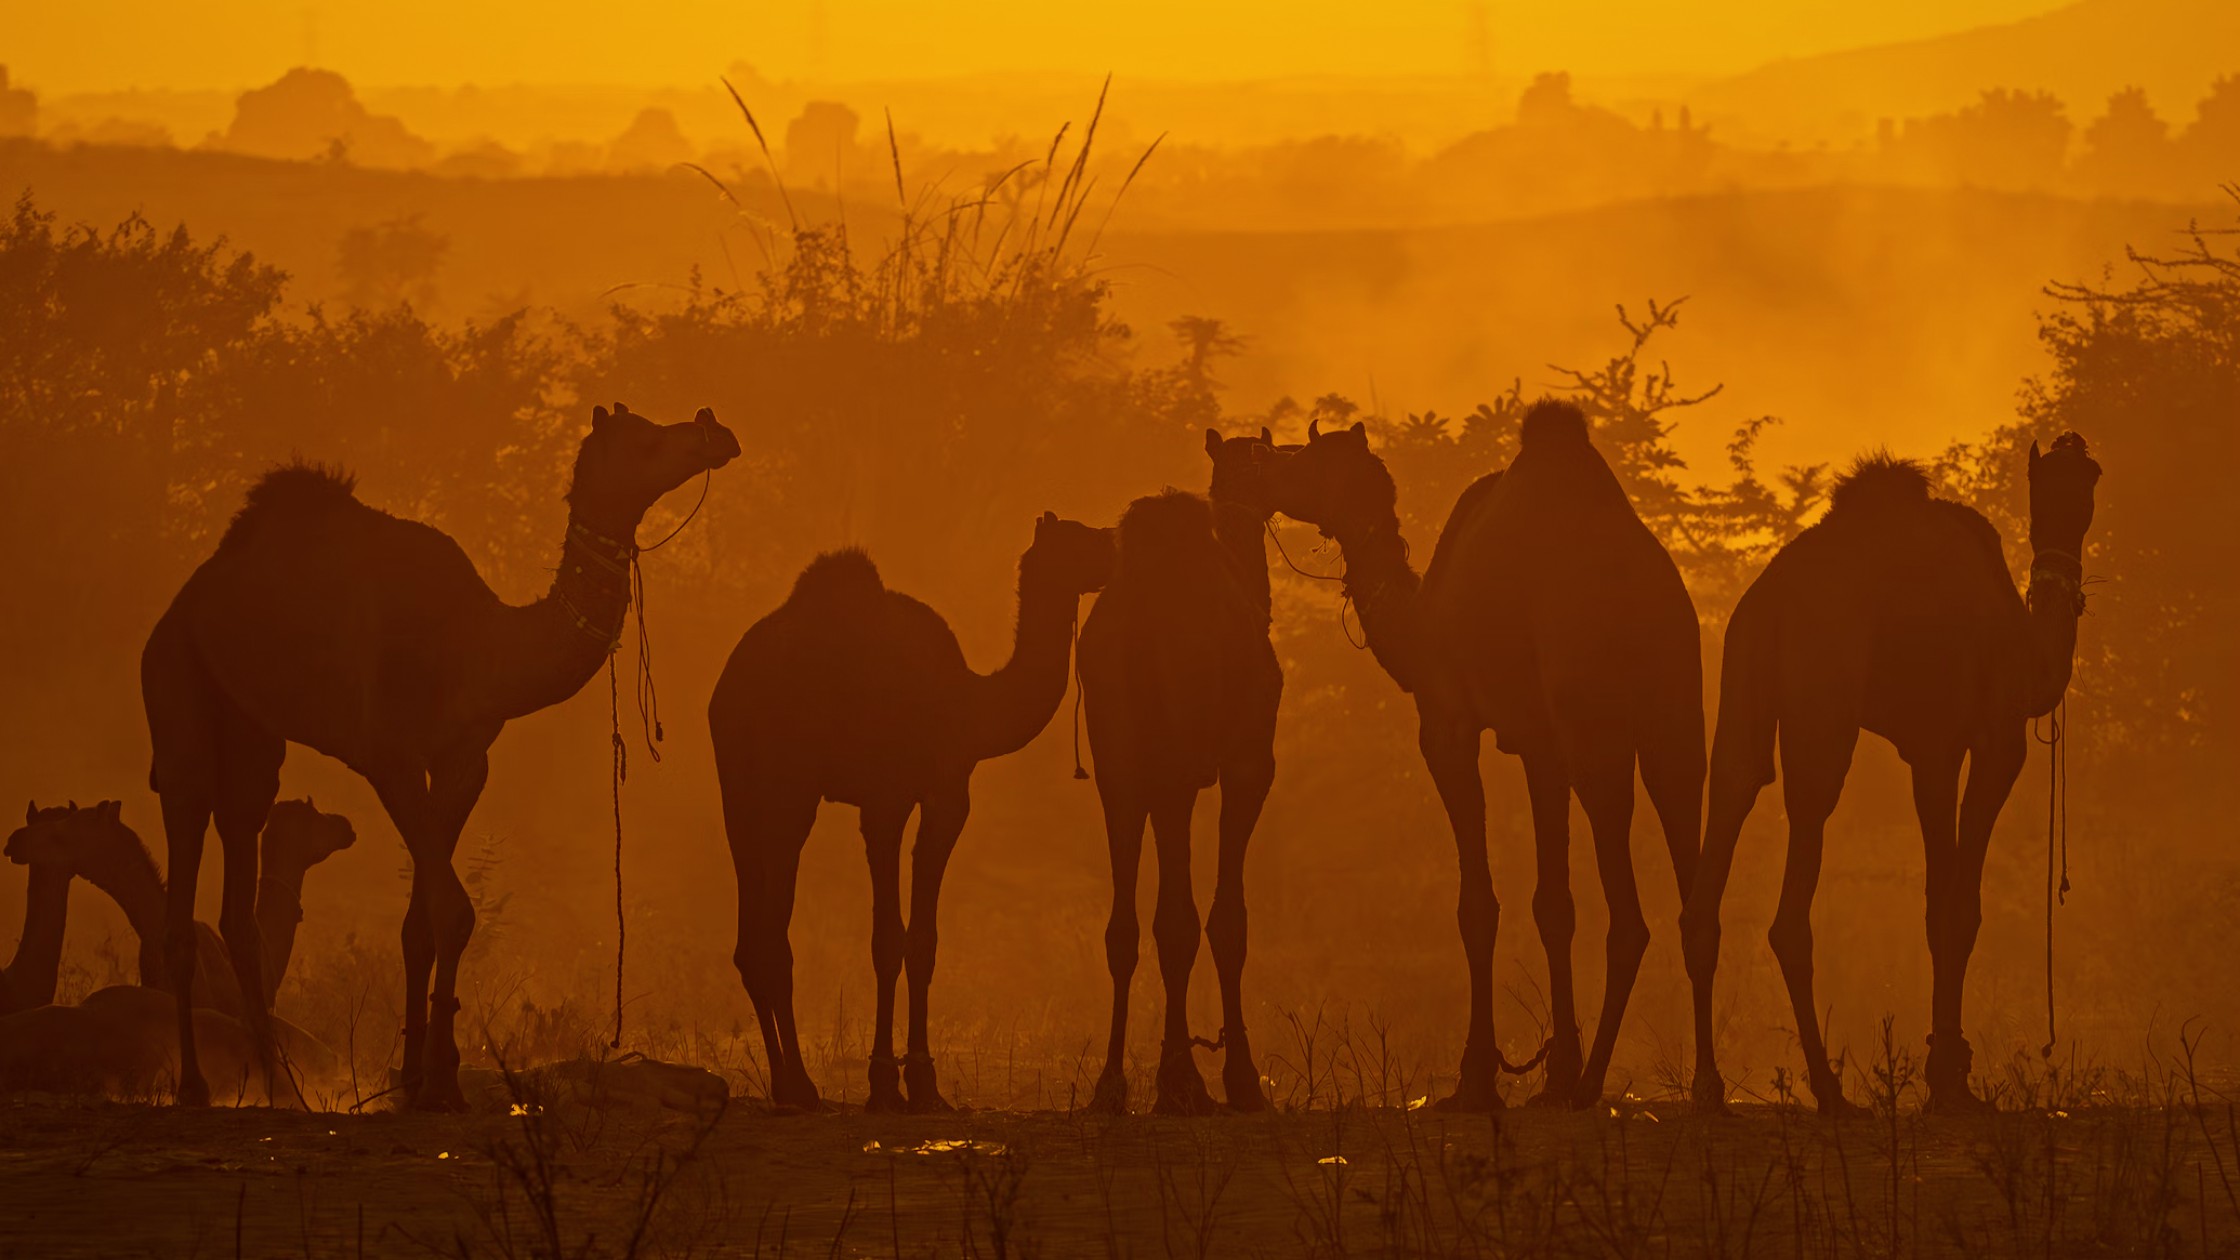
723,444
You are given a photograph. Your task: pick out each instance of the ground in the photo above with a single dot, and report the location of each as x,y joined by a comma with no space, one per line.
112,1179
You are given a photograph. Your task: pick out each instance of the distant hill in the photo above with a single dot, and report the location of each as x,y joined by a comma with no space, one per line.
2081,53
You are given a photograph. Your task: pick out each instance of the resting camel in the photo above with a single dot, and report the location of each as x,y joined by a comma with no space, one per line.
1553,617
324,622
1894,614
95,845
121,1041
854,693
1181,689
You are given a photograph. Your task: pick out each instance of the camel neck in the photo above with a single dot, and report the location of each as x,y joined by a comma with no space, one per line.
1382,586
1008,708
546,651
279,912
2056,603
1242,534
31,975
128,874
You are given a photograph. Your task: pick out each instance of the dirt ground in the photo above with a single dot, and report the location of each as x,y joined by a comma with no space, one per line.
87,1179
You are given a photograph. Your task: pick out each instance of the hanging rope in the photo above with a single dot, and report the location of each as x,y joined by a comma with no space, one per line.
1078,771
2057,842
1345,599
649,724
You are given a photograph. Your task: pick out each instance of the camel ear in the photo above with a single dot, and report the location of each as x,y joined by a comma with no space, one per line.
1314,429
1360,430
311,803
2033,457
1213,441
1267,437
598,418
109,811
706,415
621,410
30,812
73,807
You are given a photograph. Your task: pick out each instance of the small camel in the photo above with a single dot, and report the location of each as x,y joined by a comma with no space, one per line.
1894,614
1181,688
1551,616
853,693
324,622
95,845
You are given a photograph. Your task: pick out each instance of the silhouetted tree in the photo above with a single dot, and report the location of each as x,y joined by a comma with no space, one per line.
391,262
2127,150
309,113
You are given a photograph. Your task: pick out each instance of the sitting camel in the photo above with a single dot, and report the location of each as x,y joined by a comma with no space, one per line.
121,1041
95,845
1181,689
854,693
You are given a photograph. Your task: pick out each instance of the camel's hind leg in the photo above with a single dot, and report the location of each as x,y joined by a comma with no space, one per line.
1124,818
1672,772
940,821
1606,792
248,780
182,707
1815,758
1175,930
1244,789
882,849
767,827
1554,913
1993,765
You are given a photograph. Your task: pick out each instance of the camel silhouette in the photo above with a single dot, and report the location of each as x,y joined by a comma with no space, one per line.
1553,617
1894,614
1181,689
95,845
324,622
853,693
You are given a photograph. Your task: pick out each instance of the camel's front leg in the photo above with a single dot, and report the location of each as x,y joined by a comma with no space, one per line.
882,849
940,821
1124,819
1450,750
1993,766
1554,913
1175,932
431,820
1815,757
1244,789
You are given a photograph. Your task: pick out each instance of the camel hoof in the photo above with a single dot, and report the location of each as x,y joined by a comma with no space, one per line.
928,1103
885,1099
1709,1099
1111,1098
1473,1096
925,1092
194,1093
1957,1100
796,1094
436,1098
1585,1095
1834,1106
1182,1091
1241,1088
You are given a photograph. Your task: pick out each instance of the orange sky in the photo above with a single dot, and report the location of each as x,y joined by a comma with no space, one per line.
98,44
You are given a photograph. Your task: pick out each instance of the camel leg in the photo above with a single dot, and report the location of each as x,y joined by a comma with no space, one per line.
1555,915
1244,789
404,796
186,822
249,779
1815,758
1672,772
1993,765
1450,750
1124,818
1175,930
882,848
431,818
940,821
767,829
1606,792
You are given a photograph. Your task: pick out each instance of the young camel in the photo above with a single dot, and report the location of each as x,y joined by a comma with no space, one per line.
1181,689
1551,616
95,845
853,693
1894,614
372,639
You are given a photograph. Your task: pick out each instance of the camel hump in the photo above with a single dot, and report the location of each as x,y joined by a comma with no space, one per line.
1878,479
291,491
1552,422
843,576
1159,528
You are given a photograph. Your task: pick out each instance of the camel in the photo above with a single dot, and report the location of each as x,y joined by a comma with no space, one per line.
1894,614
1553,617
854,693
120,1041
1181,688
95,845
30,977
324,622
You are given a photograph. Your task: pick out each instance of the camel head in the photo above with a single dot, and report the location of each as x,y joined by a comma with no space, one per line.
58,835
1334,482
1242,467
1068,555
627,461
2061,482
309,835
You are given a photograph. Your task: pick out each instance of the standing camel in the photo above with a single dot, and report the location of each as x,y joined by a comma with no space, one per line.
1553,617
1181,689
1894,614
854,693
324,622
